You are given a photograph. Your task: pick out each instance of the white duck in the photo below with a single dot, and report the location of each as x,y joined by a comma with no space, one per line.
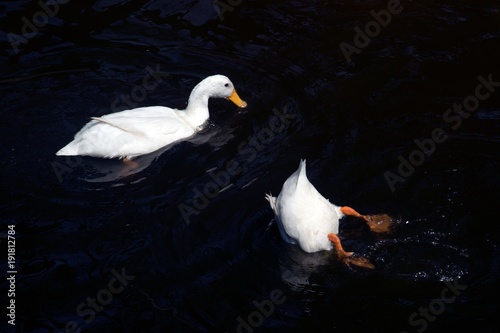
140,131
306,218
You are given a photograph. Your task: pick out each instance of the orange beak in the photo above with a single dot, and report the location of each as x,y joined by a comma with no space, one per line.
237,100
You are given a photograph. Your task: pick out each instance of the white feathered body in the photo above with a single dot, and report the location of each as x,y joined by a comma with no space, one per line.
303,215
130,133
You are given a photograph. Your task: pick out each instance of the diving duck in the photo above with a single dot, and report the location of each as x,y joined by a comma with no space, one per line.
307,219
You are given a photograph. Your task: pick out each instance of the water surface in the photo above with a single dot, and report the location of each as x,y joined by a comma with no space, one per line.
200,248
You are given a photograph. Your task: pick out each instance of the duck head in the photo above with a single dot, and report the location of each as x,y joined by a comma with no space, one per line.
222,87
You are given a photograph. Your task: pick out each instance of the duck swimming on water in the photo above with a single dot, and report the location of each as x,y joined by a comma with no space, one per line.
139,131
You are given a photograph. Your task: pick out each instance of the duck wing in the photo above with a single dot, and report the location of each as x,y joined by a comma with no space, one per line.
145,121
129,133
123,124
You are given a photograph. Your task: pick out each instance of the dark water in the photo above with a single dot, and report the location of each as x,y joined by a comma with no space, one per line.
194,255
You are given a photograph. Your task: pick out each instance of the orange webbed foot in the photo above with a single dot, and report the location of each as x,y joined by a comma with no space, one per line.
130,164
348,258
380,223
358,261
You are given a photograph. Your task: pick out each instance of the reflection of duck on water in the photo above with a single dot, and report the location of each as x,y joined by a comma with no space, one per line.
297,266
306,218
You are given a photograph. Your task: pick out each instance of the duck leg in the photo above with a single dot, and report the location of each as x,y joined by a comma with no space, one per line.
130,163
347,257
128,167
380,223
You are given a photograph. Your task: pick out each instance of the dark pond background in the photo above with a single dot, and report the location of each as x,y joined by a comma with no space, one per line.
79,220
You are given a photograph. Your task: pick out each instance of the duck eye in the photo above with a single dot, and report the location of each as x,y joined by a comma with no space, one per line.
226,85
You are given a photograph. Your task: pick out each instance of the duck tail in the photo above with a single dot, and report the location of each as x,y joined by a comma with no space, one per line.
272,202
68,150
